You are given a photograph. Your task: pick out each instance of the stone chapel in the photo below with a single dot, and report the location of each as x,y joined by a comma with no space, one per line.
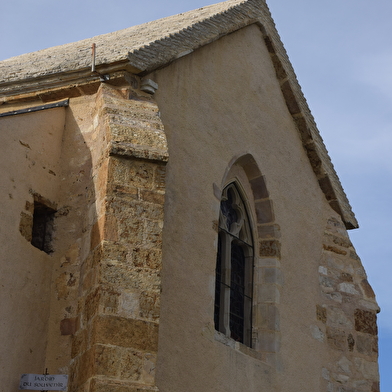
171,220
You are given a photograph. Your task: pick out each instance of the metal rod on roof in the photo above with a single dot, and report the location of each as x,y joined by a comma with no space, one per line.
93,59
103,78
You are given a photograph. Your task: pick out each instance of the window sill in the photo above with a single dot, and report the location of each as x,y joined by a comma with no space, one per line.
221,338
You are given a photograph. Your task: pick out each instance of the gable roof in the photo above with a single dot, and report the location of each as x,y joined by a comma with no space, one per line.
141,49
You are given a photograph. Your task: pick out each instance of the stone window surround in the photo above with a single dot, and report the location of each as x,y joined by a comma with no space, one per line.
244,171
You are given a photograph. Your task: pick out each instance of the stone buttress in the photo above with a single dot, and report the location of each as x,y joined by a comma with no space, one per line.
346,316
115,345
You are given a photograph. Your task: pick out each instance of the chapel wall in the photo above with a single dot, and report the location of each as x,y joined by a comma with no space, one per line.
31,172
219,104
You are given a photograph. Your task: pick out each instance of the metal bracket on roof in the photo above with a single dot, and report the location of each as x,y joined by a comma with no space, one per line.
59,104
102,78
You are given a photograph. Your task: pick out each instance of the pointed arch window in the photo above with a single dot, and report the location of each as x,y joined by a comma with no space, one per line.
234,269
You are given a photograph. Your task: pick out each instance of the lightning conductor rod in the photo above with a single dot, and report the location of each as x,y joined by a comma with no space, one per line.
93,58
103,78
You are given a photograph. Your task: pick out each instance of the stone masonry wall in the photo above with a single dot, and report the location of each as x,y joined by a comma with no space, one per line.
115,347
346,316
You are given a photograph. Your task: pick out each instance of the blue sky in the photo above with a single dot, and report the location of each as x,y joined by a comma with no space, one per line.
342,54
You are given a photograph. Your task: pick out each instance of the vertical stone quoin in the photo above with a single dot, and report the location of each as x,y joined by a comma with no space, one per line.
116,344
346,316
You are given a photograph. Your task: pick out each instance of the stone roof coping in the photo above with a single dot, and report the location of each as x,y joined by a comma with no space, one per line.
144,48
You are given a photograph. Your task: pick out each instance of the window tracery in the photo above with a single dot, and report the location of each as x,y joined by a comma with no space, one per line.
234,269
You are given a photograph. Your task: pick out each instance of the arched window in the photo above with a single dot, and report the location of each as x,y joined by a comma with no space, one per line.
234,269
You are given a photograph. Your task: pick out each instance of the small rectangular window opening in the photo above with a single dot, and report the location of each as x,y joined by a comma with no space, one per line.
43,218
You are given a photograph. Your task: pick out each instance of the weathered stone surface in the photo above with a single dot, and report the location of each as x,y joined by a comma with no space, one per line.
258,187
268,231
369,369
264,211
338,316
336,338
269,248
350,342
348,288
321,313
99,385
367,344
147,258
367,289
119,331
317,333
365,321
68,326
272,275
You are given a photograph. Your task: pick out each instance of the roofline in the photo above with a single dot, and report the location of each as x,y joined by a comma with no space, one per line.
169,48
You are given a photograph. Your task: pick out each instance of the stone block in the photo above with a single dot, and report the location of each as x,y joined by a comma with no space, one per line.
125,277
136,173
333,296
290,98
344,365
365,321
348,288
79,342
272,275
123,191
336,338
91,304
321,313
259,188
149,305
367,344
317,333
337,316
82,368
264,211
155,197
147,258
268,231
153,233
269,248
159,177
368,369
323,270
118,362
107,385
123,332
148,369
336,226
346,277
327,283
334,249
367,289
129,305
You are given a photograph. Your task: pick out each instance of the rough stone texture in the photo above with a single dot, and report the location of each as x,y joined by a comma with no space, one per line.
119,309
348,312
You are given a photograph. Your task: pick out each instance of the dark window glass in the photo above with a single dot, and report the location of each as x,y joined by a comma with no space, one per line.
234,269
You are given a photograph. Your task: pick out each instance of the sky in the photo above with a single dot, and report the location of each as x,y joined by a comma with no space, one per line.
341,52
